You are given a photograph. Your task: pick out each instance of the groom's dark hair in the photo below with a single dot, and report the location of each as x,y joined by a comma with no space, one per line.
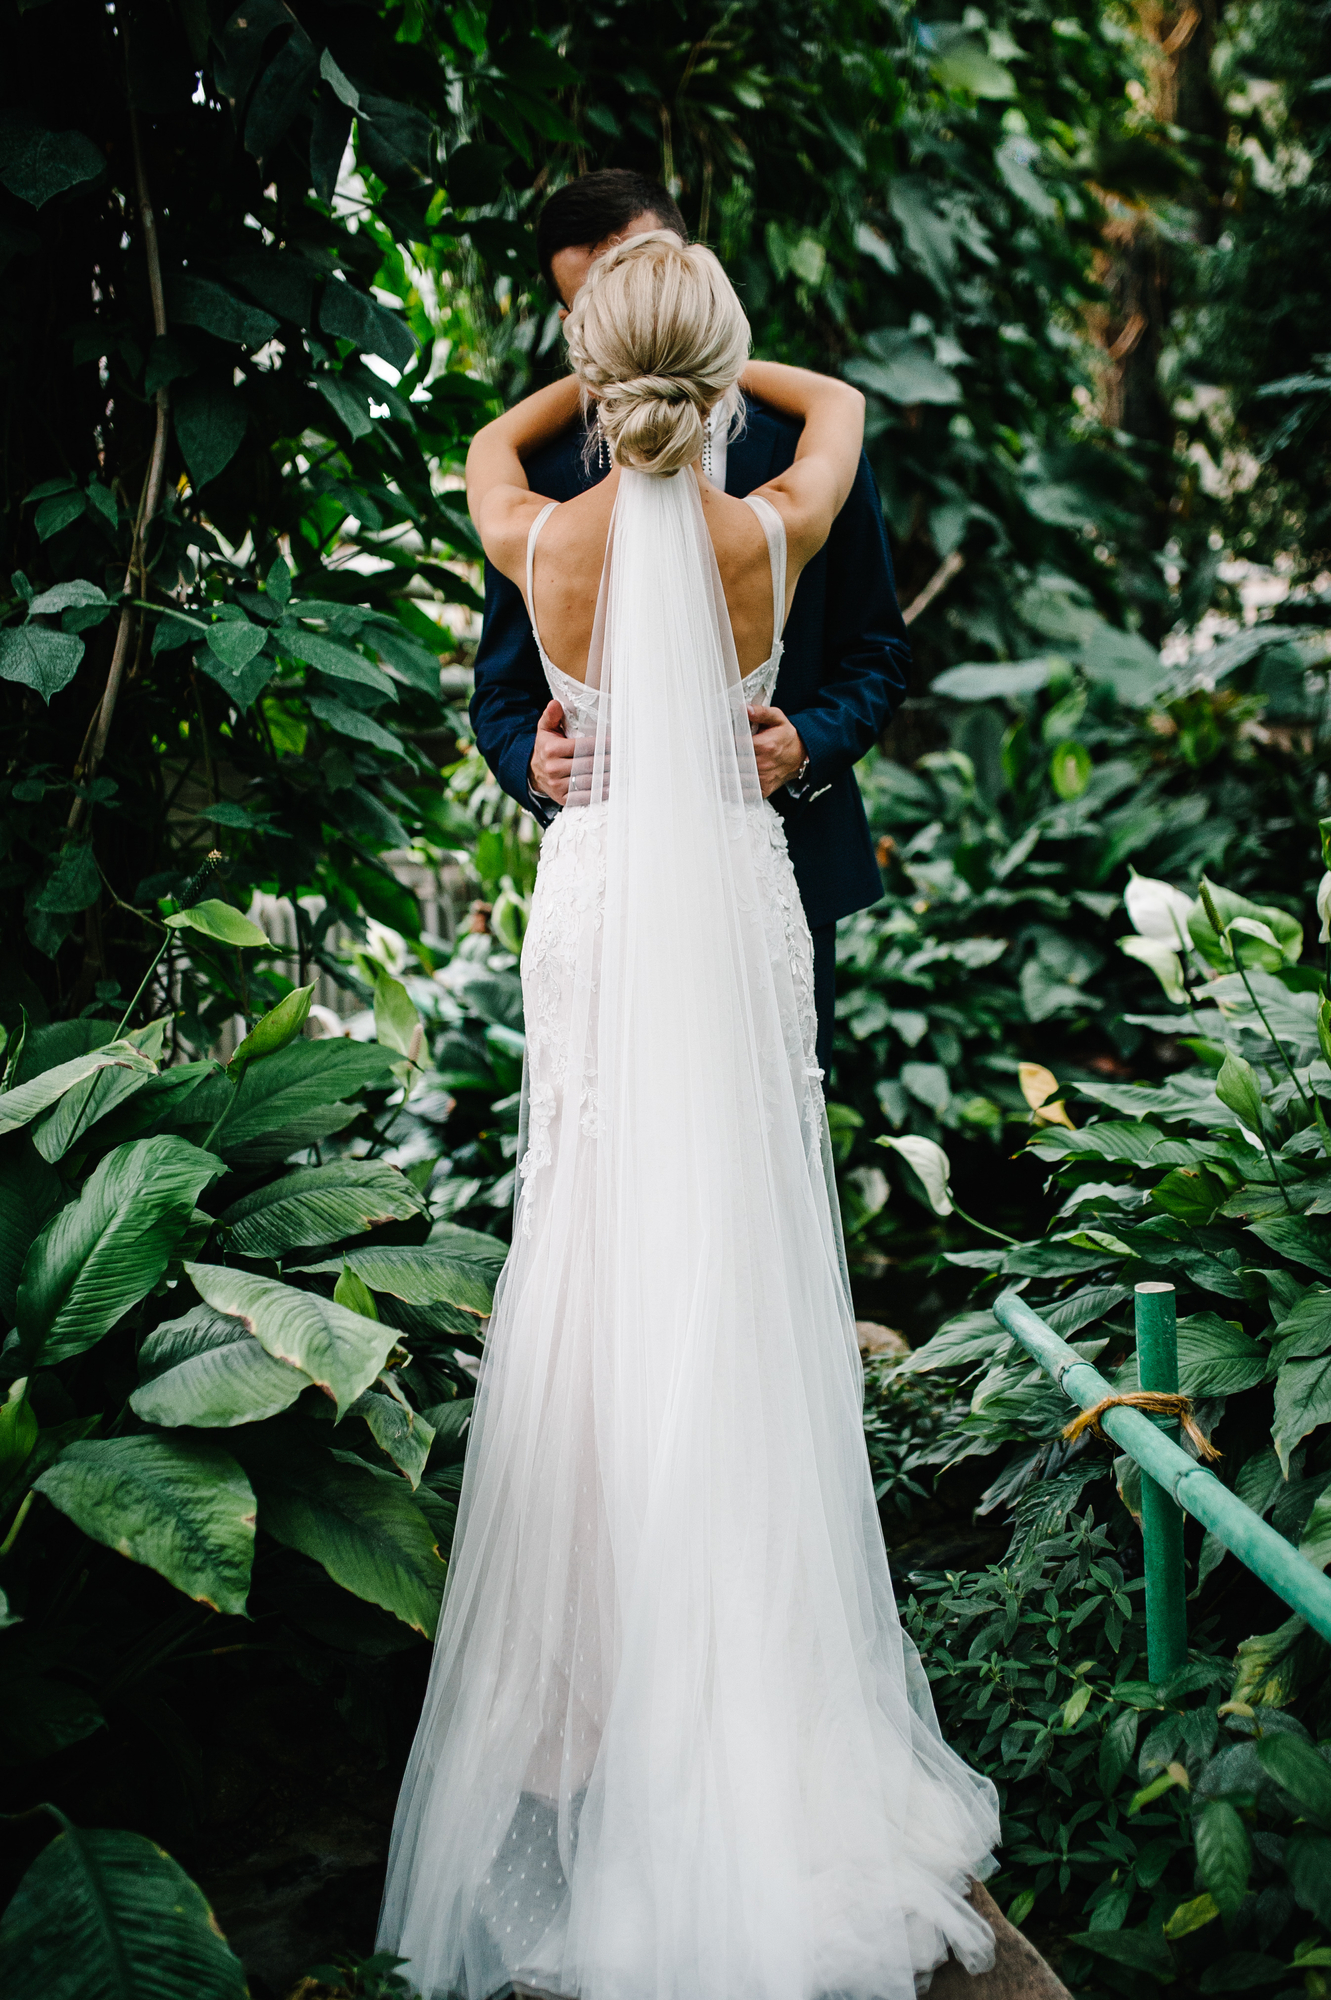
589,209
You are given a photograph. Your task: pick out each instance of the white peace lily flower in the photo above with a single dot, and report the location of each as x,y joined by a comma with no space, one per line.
932,1168
1164,963
1157,910
1324,908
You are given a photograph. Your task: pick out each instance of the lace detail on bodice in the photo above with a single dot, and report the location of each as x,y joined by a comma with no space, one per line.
580,702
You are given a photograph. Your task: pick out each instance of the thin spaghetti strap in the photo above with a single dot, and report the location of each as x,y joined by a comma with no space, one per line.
532,533
774,528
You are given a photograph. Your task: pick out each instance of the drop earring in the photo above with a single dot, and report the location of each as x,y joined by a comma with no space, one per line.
707,449
602,451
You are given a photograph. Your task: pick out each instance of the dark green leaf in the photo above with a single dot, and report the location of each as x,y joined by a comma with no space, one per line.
1299,1770
210,423
26,1101
181,1506
39,658
305,1076
1240,1971
29,1192
1224,1853
194,301
314,1205
456,1267
74,882
104,1915
399,1431
342,662
281,94
1308,1865
347,721
365,1529
328,143
339,1350
105,1251
208,1369
350,315
37,165
1305,1239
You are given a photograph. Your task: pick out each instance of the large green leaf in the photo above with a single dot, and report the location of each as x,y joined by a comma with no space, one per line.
1304,1238
1224,1853
318,1205
29,1191
304,1076
181,1506
97,1095
208,1369
107,1250
339,1350
1308,1866
398,1430
457,1267
19,1106
37,165
195,301
1216,1358
342,663
1303,1403
1301,1771
351,315
363,1526
1307,1329
210,423
104,1915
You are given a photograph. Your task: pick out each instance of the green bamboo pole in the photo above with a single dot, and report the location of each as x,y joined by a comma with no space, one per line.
1258,1546
1162,1517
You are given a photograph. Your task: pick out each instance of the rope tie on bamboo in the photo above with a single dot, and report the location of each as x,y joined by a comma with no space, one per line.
1155,1403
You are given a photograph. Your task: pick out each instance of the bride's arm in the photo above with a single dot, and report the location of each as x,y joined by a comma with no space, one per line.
501,502
812,491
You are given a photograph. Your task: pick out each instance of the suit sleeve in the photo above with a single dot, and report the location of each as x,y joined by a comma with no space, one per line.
866,655
510,691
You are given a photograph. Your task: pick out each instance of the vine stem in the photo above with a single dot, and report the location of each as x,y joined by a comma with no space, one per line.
982,1225
19,1519
1307,1102
99,729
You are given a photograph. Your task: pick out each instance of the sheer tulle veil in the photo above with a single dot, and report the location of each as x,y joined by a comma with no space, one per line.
675,1744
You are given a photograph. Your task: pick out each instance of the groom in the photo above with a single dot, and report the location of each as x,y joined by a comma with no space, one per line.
845,655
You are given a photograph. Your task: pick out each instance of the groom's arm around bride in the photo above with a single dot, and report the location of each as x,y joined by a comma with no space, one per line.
846,653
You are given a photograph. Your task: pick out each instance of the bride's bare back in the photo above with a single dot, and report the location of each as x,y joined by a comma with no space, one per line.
571,552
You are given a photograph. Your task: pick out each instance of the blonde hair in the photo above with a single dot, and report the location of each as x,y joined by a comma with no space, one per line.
658,337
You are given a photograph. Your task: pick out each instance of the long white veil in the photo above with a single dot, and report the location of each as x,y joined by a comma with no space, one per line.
674,1746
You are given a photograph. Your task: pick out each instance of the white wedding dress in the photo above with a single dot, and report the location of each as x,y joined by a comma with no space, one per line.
675,1744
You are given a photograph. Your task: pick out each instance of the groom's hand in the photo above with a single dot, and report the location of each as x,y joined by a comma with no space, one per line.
778,747
552,759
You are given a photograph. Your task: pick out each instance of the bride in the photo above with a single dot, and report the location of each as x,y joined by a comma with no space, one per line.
675,1745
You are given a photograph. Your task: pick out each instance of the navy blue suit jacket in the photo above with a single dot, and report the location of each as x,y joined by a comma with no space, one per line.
843,668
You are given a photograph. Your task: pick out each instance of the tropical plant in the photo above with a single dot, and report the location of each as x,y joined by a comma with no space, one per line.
241,1354
1179,1833
233,398
103,1914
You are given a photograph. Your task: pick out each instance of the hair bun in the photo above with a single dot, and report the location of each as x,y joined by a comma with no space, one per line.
652,423
658,337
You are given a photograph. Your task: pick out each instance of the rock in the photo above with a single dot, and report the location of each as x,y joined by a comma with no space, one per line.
876,1340
1018,1971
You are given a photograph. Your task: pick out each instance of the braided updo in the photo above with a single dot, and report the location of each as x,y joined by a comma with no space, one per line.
658,337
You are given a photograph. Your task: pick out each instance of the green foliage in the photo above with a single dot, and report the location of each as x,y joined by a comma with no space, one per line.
220,1392
1158,1830
109,1916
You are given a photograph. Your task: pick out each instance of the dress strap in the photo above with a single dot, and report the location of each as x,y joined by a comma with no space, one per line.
532,533
774,528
